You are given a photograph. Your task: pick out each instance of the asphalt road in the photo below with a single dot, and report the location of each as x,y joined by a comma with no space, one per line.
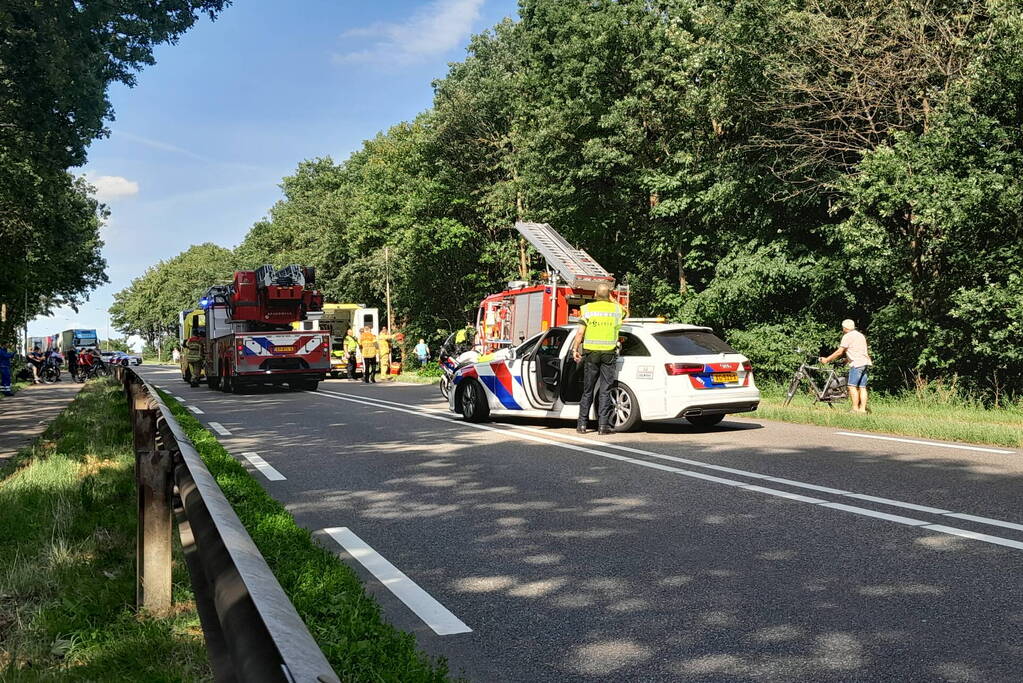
751,551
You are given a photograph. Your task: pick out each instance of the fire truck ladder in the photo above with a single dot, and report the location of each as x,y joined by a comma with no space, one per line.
578,268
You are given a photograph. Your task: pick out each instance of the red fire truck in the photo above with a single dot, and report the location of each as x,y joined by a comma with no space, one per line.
249,336
524,309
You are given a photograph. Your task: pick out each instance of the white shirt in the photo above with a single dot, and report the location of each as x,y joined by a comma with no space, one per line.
855,345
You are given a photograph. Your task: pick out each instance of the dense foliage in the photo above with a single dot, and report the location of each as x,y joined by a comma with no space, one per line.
57,59
767,167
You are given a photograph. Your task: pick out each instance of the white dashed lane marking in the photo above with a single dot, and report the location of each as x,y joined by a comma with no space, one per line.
220,429
197,411
263,466
426,607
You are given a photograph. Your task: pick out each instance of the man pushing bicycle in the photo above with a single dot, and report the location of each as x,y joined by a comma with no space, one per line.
854,347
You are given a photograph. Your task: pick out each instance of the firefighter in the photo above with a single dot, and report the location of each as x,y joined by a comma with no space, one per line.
601,322
351,345
368,343
384,340
193,355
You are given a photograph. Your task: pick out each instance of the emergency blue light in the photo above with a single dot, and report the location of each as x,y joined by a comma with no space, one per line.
204,303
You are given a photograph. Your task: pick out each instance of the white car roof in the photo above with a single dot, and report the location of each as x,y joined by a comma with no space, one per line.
653,328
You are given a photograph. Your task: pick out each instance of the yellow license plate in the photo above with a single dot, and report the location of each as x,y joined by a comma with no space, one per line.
284,349
726,377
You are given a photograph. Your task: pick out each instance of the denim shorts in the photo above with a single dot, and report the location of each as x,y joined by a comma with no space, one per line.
858,376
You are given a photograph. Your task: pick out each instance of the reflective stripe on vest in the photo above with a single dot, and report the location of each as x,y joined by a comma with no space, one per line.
603,322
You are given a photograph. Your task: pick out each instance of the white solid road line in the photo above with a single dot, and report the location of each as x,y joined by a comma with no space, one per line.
937,444
434,614
197,411
263,466
219,429
866,512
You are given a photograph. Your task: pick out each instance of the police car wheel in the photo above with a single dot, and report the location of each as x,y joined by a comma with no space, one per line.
473,402
624,408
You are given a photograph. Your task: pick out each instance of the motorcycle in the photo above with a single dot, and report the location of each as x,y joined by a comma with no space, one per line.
451,357
50,372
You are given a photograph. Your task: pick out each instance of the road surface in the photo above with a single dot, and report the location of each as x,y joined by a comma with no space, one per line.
751,551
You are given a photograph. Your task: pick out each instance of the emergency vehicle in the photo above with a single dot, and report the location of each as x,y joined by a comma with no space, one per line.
248,334
336,320
663,371
524,309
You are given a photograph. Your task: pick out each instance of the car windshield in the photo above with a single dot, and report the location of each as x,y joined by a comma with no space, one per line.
691,343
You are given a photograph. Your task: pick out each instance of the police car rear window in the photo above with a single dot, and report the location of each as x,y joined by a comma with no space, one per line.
691,343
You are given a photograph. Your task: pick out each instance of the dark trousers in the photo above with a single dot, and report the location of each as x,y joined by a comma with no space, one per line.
369,369
351,365
5,378
597,365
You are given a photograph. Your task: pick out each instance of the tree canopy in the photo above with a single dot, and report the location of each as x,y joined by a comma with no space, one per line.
57,60
765,167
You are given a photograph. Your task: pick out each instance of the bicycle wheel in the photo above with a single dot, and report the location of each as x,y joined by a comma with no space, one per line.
793,388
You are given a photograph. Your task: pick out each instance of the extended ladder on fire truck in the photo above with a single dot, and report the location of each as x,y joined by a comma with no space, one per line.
575,266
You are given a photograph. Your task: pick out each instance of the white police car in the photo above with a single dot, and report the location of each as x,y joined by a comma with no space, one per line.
664,371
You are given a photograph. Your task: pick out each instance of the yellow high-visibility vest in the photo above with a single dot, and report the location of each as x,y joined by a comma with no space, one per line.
603,320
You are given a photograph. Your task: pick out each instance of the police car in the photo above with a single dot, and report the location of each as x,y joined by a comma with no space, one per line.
664,371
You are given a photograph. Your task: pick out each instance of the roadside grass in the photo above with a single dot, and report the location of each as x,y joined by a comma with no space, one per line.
921,414
344,620
67,559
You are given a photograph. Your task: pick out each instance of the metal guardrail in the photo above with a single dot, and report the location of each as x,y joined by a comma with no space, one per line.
253,632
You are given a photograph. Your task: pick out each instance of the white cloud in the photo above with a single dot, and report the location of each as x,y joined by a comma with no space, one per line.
110,187
434,30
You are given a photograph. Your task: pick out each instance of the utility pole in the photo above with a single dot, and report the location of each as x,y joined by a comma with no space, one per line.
387,286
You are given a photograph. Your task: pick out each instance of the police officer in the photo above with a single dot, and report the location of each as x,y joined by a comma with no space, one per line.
193,355
601,322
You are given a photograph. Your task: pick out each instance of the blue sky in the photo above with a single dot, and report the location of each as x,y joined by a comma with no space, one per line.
200,144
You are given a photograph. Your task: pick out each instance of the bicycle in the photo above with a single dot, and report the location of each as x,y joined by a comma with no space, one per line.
834,387
92,371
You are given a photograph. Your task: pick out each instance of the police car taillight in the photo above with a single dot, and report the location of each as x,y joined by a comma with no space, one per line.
747,366
683,368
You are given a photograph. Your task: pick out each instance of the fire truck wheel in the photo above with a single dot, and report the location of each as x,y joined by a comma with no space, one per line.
213,383
225,383
473,402
311,385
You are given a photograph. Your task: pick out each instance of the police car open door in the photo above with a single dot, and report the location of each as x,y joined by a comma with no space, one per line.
542,369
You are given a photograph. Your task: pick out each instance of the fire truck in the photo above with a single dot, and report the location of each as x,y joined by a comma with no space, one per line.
247,330
524,309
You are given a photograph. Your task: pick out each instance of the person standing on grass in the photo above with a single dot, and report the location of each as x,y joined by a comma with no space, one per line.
422,352
6,356
854,347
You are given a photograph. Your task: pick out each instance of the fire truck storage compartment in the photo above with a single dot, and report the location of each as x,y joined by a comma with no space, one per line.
528,314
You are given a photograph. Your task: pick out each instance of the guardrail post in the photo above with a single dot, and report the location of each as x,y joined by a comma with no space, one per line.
154,483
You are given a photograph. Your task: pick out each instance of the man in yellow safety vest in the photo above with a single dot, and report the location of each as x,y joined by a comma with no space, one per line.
601,322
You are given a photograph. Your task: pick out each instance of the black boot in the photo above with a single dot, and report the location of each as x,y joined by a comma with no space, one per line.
604,429
581,427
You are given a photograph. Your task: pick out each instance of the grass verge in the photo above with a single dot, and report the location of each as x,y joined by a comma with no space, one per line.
67,559
329,596
905,415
